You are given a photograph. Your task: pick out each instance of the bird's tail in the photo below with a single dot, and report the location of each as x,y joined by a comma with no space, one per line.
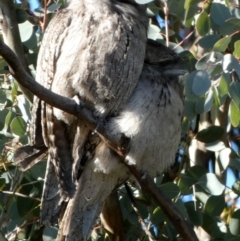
101,175
51,202
84,208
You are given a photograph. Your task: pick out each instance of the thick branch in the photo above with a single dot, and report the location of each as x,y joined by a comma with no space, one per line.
81,112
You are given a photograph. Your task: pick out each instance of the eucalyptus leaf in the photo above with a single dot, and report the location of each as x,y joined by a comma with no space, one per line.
230,26
152,9
154,32
9,117
181,207
235,163
189,109
211,184
234,224
18,126
157,216
191,7
24,107
215,205
219,13
185,184
224,84
189,60
3,96
236,52
26,31
208,41
203,23
236,187
55,6
208,101
210,134
14,90
2,183
188,86
190,178
176,8
234,114
208,60
22,15
222,44
194,213
201,82
234,92
224,158
215,146
199,105
216,96
171,190
230,63
196,172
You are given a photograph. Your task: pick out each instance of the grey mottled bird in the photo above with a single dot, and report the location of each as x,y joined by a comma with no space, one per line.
94,51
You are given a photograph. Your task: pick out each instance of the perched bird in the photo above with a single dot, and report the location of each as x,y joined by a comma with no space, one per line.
151,119
94,51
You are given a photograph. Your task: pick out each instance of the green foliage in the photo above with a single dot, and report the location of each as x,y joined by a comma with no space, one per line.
212,89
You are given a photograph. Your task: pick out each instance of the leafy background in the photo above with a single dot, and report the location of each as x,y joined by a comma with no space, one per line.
203,183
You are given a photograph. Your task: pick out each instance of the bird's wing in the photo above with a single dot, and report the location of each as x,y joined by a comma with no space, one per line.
28,155
52,200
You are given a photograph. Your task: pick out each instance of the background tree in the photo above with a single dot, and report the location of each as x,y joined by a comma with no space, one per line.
203,183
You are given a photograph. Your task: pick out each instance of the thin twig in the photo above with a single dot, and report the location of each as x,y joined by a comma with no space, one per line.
135,208
45,16
166,23
20,195
187,37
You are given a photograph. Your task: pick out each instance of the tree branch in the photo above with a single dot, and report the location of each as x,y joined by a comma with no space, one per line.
11,35
81,112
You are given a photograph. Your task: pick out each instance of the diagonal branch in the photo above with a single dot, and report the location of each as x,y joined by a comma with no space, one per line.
81,112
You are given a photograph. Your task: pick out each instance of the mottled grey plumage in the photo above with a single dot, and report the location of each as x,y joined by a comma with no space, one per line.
94,51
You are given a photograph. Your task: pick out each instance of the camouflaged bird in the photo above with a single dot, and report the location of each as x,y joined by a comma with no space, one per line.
151,119
94,51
